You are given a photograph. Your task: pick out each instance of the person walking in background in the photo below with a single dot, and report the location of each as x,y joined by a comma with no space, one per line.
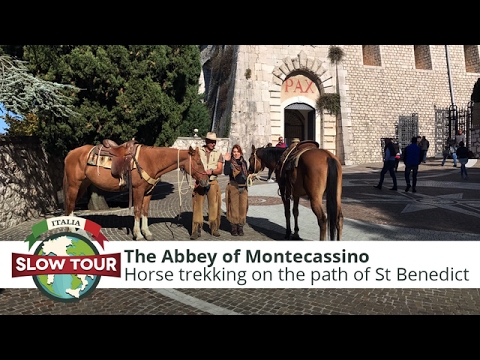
450,150
270,171
398,154
460,136
281,143
388,165
424,145
462,155
236,192
213,163
411,158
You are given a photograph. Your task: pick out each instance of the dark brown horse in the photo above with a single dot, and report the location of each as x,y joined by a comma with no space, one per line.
316,172
151,163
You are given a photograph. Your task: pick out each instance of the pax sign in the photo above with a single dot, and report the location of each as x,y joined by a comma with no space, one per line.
299,86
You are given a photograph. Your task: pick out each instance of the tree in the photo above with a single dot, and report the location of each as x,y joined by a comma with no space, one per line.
141,91
197,117
149,92
22,93
26,126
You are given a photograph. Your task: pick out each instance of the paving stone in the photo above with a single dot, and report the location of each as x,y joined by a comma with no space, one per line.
459,213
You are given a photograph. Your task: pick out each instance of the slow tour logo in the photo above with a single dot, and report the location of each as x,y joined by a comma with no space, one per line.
66,266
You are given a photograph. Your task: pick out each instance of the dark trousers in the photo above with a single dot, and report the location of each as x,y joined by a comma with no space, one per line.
414,170
388,166
423,155
270,171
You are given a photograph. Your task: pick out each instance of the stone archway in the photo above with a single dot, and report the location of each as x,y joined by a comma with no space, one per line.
321,79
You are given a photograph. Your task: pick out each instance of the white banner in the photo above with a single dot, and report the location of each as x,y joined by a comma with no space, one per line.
263,264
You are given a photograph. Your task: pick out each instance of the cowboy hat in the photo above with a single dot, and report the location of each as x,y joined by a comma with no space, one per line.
295,140
211,136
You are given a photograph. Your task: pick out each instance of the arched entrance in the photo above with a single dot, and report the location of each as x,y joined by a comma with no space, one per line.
299,122
300,80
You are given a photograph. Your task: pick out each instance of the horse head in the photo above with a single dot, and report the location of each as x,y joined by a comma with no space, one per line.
197,169
255,164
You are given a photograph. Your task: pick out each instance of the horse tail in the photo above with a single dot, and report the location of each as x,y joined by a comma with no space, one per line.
332,206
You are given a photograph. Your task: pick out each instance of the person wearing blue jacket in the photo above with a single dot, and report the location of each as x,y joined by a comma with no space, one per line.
411,158
388,164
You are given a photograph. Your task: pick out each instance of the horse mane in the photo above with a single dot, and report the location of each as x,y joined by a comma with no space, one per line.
270,155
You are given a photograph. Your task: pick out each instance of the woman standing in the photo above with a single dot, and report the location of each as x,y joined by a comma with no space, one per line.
236,192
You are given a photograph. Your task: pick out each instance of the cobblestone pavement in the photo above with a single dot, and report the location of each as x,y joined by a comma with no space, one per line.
445,207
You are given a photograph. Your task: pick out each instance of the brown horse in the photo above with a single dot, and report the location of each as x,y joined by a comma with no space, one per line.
317,171
151,163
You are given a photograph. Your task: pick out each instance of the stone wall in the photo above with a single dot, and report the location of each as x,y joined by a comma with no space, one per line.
29,180
475,146
223,144
378,95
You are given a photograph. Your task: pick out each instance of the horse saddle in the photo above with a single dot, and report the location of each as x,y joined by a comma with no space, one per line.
290,157
118,158
289,161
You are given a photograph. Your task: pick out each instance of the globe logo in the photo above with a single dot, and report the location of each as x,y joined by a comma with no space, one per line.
66,266
66,287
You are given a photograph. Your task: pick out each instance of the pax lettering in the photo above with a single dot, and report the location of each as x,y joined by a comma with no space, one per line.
302,86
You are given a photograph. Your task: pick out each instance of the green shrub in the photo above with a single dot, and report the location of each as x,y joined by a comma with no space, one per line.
329,102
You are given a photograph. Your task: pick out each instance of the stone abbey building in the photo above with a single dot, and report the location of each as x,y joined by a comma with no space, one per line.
260,92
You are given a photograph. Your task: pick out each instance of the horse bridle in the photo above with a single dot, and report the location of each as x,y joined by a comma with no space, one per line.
191,166
255,173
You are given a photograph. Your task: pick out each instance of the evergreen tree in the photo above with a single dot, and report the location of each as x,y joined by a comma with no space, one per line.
21,92
146,92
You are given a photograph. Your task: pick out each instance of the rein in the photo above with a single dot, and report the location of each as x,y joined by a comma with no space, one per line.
191,186
254,176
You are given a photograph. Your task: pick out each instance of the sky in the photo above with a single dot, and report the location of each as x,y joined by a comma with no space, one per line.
3,125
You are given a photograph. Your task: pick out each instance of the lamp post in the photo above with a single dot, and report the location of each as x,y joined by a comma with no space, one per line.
449,75
452,112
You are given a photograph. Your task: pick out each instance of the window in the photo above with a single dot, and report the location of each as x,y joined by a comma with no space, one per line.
371,55
423,60
472,62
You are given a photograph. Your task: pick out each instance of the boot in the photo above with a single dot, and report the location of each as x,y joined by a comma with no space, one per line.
234,231
240,230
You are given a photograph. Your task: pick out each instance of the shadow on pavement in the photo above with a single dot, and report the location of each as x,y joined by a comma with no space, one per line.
120,199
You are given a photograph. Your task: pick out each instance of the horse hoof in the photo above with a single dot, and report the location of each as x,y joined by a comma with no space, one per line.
296,237
149,237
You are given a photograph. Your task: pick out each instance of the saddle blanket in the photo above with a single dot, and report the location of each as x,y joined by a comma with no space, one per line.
103,161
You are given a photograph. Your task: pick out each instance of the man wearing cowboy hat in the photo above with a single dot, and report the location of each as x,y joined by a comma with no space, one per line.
213,163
